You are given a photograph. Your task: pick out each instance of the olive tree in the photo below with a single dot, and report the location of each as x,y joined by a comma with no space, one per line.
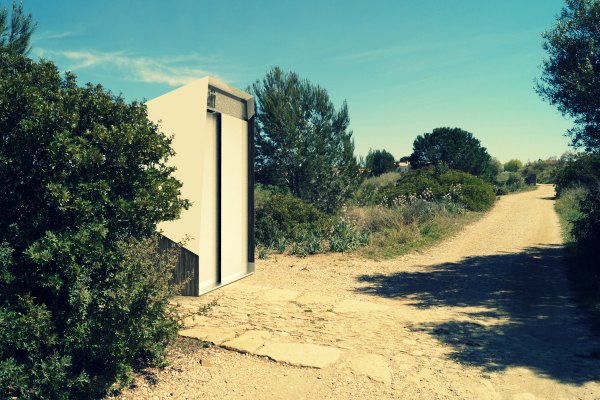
570,81
570,73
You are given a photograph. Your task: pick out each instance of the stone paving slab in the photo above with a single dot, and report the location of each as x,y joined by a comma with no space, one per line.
301,354
209,334
300,328
306,329
248,342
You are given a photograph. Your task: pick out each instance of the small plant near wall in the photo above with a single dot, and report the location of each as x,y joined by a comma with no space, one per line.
263,253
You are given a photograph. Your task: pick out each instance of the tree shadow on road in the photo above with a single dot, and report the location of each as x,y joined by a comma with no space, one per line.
525,315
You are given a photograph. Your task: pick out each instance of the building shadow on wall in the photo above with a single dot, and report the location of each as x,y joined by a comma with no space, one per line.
525,316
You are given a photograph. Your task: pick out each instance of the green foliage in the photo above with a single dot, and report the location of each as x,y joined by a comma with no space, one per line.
583,170
513,165
263,252
285,217
455,148
580,230
570,82
84,183
284,221
280,243
496,167
345,238
587,228
375,183
397,230
570,73
507,182
544,170
302,142
568,209
432,185
16,36
379,162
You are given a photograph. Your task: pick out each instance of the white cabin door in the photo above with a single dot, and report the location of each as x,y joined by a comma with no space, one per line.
234,198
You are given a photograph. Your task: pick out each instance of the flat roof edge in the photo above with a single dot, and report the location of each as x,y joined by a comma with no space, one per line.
214,82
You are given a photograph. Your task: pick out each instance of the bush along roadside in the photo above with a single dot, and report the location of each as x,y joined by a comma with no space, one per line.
430,184
284,223
386,218
578,208
83,302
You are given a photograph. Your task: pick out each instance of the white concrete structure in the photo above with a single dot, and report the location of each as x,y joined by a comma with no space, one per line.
212,124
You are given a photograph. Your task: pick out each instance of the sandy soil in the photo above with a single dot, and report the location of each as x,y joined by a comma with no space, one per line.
486,314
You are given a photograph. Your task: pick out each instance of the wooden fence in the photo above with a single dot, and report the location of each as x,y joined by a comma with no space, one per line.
187,269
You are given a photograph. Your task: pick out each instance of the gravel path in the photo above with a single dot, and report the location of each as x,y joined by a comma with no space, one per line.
486,314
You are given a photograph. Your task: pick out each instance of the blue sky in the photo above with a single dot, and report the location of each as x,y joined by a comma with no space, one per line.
404,67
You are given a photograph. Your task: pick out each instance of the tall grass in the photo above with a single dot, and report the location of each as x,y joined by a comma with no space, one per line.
385,219
397,230
567,208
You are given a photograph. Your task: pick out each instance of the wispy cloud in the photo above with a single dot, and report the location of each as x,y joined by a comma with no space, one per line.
51,35
368,55
172,71
426,46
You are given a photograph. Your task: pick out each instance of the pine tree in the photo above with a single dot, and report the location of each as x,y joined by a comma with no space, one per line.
15,37
303,143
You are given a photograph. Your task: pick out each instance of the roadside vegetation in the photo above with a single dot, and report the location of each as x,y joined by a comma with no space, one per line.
578,206
569,81
387,214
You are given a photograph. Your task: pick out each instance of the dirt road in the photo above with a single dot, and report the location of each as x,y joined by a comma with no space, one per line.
484,315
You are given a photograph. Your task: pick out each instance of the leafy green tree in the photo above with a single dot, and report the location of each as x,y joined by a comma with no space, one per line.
570,82
380,162
544,170
513,165
456,148
303,142
584,170
83,295
15,37
570,73
496,166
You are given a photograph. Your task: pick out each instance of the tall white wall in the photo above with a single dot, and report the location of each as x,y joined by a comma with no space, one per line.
182,113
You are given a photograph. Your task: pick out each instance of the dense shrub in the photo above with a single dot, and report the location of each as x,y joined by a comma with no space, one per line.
568,208
583,170
84,183
507,182
432,184
544,170
513,165
379,162
282,216
587,228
